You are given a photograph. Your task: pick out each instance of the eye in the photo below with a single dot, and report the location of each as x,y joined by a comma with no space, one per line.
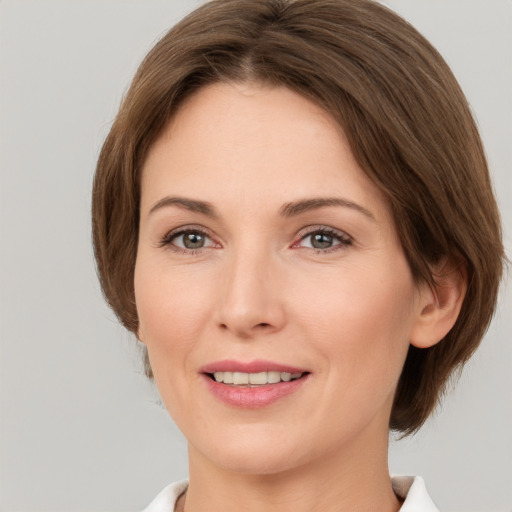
324,240
188,240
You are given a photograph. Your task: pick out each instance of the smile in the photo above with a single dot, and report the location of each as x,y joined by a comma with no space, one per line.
255,379
253,385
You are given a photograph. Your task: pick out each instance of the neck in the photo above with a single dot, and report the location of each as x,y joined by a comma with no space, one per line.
355,479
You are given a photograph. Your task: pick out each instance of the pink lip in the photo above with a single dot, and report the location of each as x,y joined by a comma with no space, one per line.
259,365
251,397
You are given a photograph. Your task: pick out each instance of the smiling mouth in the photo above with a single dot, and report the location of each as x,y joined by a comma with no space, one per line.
255,379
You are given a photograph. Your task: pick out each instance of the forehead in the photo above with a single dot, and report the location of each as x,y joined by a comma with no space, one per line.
257,142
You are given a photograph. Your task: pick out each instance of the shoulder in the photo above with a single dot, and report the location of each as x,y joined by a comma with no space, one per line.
167,497
413,491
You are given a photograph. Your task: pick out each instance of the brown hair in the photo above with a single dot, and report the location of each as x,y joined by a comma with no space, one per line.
407,122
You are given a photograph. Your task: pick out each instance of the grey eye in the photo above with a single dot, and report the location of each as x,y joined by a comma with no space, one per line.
321,240
193,240
325,239
190,240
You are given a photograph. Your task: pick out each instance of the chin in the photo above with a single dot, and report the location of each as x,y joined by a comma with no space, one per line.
251,453
261,465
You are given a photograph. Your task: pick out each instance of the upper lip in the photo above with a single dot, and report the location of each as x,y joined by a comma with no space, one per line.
256,366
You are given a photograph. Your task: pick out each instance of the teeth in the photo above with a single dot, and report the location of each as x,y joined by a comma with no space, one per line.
227,377
255,379
240,378
273,377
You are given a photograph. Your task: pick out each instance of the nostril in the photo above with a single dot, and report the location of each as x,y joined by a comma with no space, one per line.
246,329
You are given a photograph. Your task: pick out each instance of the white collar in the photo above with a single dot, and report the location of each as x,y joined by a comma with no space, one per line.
413,490
410,488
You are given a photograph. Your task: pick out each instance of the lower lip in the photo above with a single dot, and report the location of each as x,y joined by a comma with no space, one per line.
253,397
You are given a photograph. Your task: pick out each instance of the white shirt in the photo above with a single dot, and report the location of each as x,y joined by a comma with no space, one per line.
410,488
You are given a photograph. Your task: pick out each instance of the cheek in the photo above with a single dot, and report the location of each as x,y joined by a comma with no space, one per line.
361,321
172,307
358,301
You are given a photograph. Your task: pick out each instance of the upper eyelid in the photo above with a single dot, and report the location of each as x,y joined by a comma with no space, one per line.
188,227
304,232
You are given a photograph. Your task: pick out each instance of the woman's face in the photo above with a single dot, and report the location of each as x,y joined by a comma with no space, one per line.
267,259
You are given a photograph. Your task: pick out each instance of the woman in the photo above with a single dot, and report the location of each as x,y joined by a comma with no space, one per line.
293,213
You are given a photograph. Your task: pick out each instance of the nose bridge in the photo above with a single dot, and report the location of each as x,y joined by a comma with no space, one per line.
251,300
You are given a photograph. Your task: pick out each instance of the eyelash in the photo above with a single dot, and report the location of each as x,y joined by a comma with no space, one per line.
169,238
343,239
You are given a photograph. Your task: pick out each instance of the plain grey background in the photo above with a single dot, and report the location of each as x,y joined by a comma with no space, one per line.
80,428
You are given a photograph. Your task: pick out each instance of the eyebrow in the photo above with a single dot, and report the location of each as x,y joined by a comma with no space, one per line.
298,207
291,209
192,205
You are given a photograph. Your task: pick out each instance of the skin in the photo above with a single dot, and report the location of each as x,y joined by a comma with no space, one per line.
257,289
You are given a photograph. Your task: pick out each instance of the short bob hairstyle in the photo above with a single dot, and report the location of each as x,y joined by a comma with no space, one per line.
407,122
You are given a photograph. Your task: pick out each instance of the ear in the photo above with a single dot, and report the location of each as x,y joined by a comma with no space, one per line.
439,306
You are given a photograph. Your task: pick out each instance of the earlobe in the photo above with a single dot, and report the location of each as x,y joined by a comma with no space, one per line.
440,305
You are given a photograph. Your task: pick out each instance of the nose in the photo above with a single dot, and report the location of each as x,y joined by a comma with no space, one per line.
251,295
